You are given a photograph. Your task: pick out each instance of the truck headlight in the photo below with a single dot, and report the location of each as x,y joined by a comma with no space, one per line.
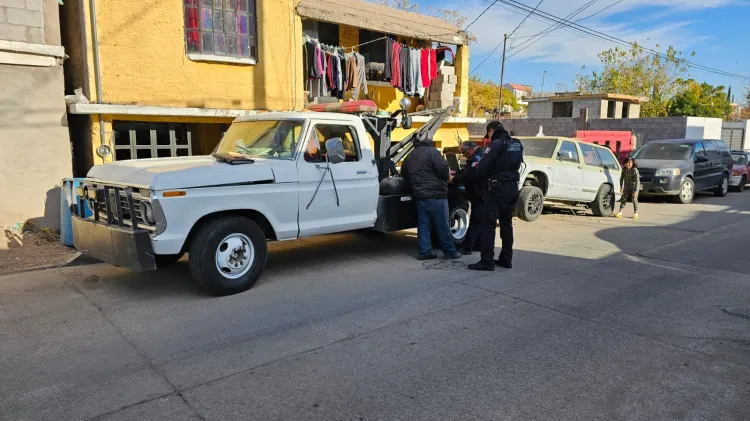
147,213
666,172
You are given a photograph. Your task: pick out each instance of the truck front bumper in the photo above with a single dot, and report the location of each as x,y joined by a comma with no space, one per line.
117,246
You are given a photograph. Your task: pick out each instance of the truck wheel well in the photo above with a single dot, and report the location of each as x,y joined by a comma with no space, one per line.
253,215
537,179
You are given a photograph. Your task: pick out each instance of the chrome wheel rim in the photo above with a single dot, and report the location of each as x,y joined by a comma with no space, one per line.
608,201
459,223
235,255
724,185
687,191
535,204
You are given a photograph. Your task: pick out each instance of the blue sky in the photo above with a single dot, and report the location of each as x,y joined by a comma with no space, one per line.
718,31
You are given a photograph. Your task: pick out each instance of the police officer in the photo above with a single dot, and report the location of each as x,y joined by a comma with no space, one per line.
499,167
475,188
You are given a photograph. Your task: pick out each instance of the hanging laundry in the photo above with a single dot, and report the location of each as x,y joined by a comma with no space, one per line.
404,68
388,59
396,65
311,60
361,77
433,64
352,73
427,66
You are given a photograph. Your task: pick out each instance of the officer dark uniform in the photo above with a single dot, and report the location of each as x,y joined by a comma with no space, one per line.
500,166
475,190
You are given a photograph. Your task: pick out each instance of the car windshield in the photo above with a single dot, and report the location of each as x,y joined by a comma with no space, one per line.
540,148
665,151
270,139
739,159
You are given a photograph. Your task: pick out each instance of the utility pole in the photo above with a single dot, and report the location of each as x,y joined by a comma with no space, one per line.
502,74
544,76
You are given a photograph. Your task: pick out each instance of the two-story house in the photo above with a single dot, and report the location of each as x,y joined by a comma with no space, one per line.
166,78
35,151
521,92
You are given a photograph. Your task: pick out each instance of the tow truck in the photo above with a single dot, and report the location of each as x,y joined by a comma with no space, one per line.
275,176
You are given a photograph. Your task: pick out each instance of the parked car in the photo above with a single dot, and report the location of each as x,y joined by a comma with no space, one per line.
567,171
680,167
740,170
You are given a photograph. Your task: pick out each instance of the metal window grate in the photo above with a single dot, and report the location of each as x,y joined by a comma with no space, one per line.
150,140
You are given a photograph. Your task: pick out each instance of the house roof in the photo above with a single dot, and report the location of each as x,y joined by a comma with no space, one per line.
520,87
373,17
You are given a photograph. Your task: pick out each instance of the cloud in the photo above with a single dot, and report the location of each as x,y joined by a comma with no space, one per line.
624,21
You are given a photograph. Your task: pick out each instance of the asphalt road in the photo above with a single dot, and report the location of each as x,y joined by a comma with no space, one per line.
600,319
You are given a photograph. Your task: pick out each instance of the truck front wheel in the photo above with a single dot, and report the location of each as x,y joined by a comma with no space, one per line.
228,255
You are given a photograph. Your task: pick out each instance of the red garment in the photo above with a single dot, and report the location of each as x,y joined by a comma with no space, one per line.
433,64
329,72
425,64
396,66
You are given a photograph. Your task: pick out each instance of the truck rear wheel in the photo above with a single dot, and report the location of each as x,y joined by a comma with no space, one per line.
228,255
458,221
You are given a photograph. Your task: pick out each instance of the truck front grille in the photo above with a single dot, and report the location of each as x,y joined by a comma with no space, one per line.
104,206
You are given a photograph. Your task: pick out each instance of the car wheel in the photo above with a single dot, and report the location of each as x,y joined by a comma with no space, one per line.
228,255
687,192
604,203
459,221
743,182
530,203
723,187
165,260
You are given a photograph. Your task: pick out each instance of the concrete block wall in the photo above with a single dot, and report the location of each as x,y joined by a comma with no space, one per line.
539,109
563,126
22,20
594,106
645,129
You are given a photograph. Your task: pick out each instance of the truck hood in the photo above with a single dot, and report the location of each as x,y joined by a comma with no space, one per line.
182,173
655,164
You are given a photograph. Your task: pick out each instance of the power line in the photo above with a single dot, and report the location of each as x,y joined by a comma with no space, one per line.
596,13
480,15
524,19
550,28
611,39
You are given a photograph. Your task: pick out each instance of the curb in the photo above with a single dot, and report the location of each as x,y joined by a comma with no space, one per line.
68,262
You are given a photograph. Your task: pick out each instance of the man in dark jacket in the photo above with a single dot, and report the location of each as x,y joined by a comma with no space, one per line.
475,193
428,173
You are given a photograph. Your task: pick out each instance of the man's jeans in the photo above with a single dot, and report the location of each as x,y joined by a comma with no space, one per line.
434,213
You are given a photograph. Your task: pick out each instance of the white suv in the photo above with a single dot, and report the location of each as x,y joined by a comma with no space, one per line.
567,171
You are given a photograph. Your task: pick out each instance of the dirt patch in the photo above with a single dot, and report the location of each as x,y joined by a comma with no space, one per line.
27,246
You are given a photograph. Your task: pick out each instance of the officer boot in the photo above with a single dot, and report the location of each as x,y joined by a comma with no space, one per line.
483,265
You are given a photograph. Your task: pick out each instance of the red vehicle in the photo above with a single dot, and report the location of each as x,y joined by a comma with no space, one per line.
740,170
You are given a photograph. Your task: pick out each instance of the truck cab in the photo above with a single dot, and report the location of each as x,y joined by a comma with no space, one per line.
273,177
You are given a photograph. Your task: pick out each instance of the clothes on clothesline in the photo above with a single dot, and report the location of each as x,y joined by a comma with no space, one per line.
330,71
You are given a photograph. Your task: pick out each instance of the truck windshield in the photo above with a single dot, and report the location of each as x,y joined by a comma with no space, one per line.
540,148
270,139
665,151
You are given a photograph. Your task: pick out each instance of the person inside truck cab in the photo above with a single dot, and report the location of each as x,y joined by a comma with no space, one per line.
312,149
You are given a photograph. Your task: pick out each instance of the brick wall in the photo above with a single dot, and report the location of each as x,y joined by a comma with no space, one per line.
22,20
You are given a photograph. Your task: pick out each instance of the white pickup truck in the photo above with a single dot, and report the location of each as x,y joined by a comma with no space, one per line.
273,177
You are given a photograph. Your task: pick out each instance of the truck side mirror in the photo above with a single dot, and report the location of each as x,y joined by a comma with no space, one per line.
335,150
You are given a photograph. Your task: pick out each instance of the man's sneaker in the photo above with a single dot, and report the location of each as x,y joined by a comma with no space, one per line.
635,216
483,265
618,215
428,256
504,263
454,256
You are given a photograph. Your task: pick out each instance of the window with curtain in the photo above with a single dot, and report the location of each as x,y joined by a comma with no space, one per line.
221,28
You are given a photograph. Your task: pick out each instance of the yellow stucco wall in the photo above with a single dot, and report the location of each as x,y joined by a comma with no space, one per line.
144,61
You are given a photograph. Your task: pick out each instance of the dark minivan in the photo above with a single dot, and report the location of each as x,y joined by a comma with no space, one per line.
680,167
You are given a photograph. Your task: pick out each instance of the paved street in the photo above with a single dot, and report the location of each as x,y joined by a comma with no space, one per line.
600,319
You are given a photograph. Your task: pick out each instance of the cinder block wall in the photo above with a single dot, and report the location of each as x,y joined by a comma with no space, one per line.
645,129
22,20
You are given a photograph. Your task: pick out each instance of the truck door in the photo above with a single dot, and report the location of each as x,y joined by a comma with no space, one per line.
356,181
